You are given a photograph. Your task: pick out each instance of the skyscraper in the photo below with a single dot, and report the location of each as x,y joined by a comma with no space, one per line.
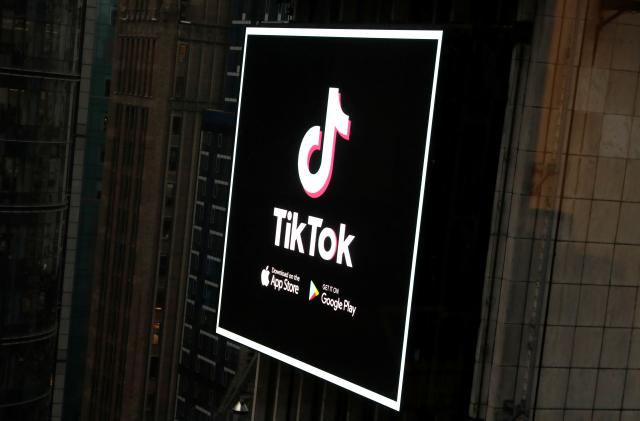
215,373
168,64
85,192
40,45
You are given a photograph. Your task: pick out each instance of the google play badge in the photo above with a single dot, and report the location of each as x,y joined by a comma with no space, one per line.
313,291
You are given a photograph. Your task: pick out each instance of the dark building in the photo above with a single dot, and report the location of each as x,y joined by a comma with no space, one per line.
214,373
40,45
85,192
208,363
169,61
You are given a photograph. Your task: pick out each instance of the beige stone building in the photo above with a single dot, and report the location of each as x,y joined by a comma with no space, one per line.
560,337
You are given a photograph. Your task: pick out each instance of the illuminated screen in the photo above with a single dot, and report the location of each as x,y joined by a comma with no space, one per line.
327,185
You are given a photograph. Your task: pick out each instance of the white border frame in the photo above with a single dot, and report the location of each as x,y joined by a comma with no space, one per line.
338,33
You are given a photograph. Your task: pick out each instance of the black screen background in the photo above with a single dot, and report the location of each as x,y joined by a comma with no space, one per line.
386,89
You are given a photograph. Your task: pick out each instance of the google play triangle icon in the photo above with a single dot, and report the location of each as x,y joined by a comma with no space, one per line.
313,291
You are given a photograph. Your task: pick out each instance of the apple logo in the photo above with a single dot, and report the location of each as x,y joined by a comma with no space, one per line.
264,277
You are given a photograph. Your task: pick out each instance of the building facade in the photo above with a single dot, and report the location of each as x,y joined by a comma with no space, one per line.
40,44
169,60
560,338
214,373
208,363
85,192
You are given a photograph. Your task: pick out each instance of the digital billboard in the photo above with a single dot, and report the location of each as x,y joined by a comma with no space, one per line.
326,197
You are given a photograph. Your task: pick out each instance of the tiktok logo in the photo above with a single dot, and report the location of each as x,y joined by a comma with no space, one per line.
336,122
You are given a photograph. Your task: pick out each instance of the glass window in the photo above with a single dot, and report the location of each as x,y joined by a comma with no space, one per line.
170,194
195,264
174,153
192,291
199,214
204,165
212,270
221,194
202,190
196,241
218,219
179,87
189,318
223,168
167,225
163,266
153,367
210,296
176,125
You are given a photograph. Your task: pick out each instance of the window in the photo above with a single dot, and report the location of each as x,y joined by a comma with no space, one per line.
207,346
167,224
153,367
199,214
226,378
196,241
208,320
215,244
212,271
179,87
223,167
204,165
206,141
221,194
187,334
163,267
195,264
231,355
192,291
218,219
183,48
170,194
180,409
202,190
160,297
174,153
209,296
176,125
185,390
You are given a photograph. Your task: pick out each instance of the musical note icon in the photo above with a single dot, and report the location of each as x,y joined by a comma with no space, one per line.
337,122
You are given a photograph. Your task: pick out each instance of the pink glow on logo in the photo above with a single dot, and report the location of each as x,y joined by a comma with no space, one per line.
336,122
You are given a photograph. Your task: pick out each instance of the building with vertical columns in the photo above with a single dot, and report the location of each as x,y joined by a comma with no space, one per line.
214,373
86,187
168,66
40,73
